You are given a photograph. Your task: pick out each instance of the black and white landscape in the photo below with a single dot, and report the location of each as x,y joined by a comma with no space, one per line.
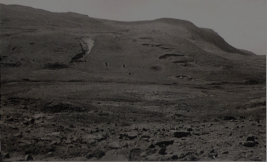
80,88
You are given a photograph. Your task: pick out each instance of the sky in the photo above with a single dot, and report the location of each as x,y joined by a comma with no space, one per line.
242,23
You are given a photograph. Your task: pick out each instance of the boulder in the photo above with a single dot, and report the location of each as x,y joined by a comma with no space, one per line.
162,151
164,143
132,135
181,134
6,155
114,145
249,144
28,158
251,138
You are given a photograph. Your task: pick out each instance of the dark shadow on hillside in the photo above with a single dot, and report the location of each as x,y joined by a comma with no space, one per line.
169,55
78,56
55,66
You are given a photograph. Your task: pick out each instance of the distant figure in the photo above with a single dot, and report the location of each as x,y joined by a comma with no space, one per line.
83,45
85,50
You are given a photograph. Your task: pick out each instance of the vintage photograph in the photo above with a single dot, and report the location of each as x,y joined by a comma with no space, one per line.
133,80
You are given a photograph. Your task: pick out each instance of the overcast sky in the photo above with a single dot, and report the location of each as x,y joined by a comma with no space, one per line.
242,23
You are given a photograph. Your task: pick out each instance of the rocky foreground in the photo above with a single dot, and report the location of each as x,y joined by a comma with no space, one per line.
135,130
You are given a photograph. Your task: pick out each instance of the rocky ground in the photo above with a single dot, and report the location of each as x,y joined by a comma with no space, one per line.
137,126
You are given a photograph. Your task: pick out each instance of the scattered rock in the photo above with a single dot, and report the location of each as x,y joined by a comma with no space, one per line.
30,120
70,146
204,132
55,133
120,136
192,157
50,154
229,118
114,145
6,155
148,152
251,82
13,127
38,116
27,131
112,156
251,138
153,157
189,129
174,157
145,135
144,129
212,154
89,156
134,154
26,122
183,155
201,152
26,142
162,151
56,107
132,135
28,158
143,154
164,143
52,149
256,159
18,134
125,145
97,153
181,134
28,152
249,144
151,146
10,119
72,126
98,137
225,152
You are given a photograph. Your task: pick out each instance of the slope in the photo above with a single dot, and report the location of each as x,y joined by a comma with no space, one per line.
44,43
